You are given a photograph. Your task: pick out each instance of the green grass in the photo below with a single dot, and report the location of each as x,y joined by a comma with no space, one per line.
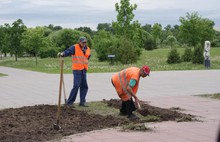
1,74
156,59
213,96
99,108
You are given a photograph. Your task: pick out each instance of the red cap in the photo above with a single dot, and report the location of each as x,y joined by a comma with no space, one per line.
146,69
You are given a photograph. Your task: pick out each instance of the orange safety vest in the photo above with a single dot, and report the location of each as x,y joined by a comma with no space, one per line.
79,60
121,81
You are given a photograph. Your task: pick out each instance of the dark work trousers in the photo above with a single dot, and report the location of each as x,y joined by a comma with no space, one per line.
127,107
80,82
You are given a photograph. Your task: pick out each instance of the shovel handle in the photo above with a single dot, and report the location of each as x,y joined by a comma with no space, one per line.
139,106
60,90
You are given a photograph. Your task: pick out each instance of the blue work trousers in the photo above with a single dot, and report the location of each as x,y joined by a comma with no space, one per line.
79,82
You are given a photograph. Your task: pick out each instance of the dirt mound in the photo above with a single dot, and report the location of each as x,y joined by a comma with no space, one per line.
35,123
163,114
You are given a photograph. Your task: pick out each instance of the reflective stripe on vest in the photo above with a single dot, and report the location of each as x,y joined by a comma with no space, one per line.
80,60
126,83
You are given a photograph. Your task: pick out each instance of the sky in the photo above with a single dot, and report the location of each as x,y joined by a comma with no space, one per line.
89,13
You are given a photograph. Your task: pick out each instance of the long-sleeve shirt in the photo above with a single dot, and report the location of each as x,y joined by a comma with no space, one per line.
71,51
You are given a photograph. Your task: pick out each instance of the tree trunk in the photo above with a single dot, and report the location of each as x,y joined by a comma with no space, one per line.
36,58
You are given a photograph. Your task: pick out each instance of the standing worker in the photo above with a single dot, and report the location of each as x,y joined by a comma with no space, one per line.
80,53
126,85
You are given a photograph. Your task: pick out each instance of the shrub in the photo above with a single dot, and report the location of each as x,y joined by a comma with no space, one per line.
104,44
198,55
149,44
188,55
127,52
48,52
173,57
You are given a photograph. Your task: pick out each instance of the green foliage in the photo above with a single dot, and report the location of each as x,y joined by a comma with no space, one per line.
149,43
126,51
32,40
194,29
213,96
66,37
156,59
171,40
188,55
105,27
156,33
198,55
125,26
16,32
125,16
105,43
173,56
48,52
87,30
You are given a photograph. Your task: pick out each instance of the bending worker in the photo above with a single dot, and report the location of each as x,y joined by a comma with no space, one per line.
126,85
80,57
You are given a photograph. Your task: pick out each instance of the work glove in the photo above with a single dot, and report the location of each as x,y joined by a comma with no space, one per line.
60,54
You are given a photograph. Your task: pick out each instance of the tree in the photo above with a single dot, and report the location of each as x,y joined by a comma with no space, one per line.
156,33
175,32
1,40
126,28
195,30
66,37
105,43
105,27
173,56
188,55
198,55
32,40
53,28
7,39
123,25
85,30
147,28
171,40
16,32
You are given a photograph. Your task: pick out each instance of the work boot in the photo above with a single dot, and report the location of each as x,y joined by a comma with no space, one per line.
83,105
69,106
133,117
122,114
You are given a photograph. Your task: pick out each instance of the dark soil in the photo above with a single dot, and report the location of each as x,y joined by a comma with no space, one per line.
161,113
35,123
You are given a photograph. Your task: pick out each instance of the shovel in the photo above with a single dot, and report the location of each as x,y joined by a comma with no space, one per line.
64,91
139,106
56,126
143,112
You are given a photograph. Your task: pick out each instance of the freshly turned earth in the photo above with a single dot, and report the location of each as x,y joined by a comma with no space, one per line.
35,123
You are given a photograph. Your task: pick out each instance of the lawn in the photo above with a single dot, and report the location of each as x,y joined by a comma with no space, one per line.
156,59
213,96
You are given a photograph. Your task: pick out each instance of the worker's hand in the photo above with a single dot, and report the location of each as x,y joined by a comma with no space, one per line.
60,54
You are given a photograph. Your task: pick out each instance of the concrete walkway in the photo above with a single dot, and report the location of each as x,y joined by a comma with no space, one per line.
163,89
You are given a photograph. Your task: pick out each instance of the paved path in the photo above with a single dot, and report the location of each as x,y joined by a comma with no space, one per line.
163,89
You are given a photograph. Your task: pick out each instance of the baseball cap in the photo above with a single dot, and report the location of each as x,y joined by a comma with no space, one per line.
82,39
146,70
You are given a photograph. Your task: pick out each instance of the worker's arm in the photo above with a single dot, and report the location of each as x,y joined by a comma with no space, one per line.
132,83
69,51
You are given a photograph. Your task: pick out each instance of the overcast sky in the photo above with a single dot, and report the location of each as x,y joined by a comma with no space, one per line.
89,13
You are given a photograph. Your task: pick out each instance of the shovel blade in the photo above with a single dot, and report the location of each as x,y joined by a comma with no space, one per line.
56,127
